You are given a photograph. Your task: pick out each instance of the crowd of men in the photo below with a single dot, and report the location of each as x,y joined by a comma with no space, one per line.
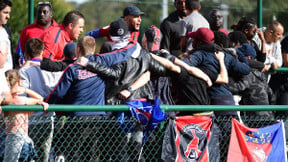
190,60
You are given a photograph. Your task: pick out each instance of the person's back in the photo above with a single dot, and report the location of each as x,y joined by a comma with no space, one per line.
77,85
31,75
133,68
159,85
203,56
17,140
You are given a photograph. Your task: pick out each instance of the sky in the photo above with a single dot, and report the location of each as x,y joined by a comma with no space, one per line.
78,1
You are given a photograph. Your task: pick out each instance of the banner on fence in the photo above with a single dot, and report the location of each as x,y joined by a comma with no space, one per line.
147,114
189,138
257,144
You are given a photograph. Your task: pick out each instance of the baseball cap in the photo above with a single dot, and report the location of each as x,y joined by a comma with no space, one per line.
153,36
70,50
203,34
132,10
247,50
119,28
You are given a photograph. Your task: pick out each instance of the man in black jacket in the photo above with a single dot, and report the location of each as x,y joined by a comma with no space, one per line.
170,28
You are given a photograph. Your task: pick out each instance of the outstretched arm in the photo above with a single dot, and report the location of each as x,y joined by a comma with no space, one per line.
167,64
102,70
194,71
31,93
223,75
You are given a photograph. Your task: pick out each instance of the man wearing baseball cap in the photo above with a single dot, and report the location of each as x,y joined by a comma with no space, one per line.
132,16
203,55
204,34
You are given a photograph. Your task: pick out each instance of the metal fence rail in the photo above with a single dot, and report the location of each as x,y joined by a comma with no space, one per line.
102,138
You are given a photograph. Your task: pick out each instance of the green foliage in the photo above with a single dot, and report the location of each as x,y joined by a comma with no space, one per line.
100,13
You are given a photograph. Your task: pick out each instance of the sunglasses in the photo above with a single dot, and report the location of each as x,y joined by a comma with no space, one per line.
45,3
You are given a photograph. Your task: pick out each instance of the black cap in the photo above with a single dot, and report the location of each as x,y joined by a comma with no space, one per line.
70,50
118,28
153,36
132,10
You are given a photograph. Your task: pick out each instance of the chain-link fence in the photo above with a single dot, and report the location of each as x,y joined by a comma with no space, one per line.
103,138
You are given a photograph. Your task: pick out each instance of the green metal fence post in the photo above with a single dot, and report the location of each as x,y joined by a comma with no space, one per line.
31,12
259,12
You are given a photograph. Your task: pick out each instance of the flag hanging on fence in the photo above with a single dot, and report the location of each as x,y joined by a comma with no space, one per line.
257,144
147,114
191,138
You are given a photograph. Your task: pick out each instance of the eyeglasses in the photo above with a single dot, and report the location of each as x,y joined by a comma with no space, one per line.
217,16
45,3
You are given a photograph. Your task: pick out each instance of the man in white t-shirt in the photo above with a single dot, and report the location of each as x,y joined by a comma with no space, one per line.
272,34
5,96
5,33
4,89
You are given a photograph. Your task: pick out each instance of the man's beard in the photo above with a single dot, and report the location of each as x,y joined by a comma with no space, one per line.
182,14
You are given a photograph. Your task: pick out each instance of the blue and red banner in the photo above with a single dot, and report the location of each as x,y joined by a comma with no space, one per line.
191,138
147,114
257,144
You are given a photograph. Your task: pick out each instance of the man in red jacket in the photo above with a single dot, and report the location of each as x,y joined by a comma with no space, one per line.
55,40
43,23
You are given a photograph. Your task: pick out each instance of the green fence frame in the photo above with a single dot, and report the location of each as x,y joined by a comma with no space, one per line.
102,139
163,107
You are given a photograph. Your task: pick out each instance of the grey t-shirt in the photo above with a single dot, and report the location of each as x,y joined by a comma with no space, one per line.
190,24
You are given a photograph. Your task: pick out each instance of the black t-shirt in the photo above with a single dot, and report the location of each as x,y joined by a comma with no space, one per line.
190,90
284,45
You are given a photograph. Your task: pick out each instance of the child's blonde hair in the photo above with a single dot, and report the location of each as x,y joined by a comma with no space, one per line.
12,77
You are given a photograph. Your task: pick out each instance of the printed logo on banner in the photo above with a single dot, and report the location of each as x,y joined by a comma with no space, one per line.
193,139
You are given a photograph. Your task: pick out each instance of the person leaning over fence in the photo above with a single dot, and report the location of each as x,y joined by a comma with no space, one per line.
203,55
18,145
185,84
79,86
272,35
42,82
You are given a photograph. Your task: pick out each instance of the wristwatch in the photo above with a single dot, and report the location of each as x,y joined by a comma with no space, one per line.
130,89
